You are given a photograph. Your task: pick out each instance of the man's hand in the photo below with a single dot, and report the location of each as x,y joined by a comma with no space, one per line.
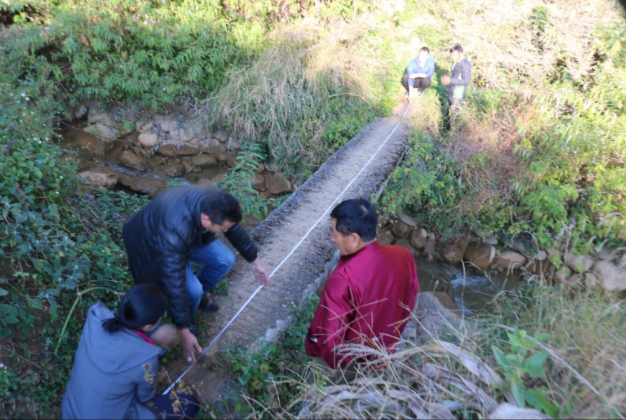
260,274
413,75
190,345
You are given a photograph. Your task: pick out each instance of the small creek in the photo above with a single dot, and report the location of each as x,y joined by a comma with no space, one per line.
472,290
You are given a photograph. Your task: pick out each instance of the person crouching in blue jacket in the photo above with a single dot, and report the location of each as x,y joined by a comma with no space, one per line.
115,366
418,73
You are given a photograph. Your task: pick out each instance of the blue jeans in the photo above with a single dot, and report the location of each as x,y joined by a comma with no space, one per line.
216,260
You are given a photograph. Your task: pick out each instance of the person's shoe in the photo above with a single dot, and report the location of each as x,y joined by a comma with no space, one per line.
420,93
206,306
406,94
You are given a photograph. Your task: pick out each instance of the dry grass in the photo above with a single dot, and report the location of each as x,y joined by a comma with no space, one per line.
586,375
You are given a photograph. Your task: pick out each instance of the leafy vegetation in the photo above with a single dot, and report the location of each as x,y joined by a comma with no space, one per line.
541,151
541,144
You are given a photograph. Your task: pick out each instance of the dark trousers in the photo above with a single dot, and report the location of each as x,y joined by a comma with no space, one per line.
175,405
454,109
420,83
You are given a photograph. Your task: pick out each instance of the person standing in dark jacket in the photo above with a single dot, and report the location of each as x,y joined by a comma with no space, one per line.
179,227
458,80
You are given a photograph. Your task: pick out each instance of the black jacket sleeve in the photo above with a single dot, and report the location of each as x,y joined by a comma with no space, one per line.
173,273
242,242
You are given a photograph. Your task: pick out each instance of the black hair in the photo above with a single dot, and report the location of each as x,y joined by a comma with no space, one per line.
142,305
456,48
356,216
221,206
425,49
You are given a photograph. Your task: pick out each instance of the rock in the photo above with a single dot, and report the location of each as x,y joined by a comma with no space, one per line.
204,181
213,147
606,253
156,161
144,125
233,144
98,115
182,135
231,160
124,127
271,166
79,111
173,171
454,249
203,160
418,238
102,176
258,180
385,238
216,179
102,131
400,229
574,280
579,263
610,277
170,150
278,184
430,248
147,139
188,166
591,280
149,186
506,411
480,254
436,312
222,135
491,240
129,159
541,255
168,123
508,261
405,244
407,219
562,274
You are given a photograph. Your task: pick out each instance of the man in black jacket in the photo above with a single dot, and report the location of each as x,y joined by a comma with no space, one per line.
177,227
460,77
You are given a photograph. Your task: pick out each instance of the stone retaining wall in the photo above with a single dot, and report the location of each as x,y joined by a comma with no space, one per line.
605,269
164,145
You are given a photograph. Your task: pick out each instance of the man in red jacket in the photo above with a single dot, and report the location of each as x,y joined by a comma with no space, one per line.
368,298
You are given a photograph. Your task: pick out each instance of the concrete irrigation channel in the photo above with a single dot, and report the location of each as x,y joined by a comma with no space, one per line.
269,311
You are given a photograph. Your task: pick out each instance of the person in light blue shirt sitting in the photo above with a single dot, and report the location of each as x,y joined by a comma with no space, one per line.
418,73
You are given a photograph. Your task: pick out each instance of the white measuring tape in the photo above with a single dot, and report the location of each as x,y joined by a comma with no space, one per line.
258,289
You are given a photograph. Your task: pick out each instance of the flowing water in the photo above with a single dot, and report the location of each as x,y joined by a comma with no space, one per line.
472,289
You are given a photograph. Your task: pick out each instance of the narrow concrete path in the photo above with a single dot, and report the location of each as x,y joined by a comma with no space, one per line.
282,230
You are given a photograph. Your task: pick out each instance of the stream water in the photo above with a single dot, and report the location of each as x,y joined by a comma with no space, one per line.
471,289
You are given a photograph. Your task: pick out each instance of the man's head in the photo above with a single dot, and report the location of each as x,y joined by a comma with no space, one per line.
219,212
424,54
456,53
354,225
